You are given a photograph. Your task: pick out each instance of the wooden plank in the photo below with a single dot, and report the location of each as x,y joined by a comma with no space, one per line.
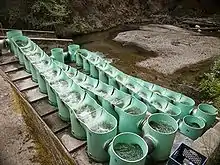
71,143
45,39
55,123
43,108
11,67
34,94
18,75
25,84
32,31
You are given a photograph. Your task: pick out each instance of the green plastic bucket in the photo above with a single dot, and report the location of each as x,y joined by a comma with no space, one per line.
192,126
93,60
99,132
127,149
119,99
186,104
206,112
76,128
131,116
158,89
19,41
63,111
75,96
103,90
71,72
121,78
33,73
72,50
144,83
79,60
171,96
158,103
132,86
79,78
84,54
13,33
41,83
101,67
173,111
160,129
57,54
51,95
145,95
10,34
111,72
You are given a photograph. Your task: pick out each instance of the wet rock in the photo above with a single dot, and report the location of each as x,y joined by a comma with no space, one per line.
176,47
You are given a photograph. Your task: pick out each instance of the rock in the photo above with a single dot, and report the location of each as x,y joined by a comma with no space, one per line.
175,47
207,143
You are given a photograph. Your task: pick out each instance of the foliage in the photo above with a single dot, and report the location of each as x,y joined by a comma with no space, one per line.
46,13
210,83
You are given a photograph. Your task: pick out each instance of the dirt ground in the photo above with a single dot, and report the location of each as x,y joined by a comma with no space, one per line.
16,145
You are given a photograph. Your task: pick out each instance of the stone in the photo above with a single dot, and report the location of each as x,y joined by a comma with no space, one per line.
207,143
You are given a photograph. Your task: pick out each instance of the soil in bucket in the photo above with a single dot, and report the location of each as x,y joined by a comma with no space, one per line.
161,127
73,97
118,102
102,127
130,152
171,112
192,124
21,43
133,111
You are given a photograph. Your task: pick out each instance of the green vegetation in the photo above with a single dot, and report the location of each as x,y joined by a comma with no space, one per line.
209,86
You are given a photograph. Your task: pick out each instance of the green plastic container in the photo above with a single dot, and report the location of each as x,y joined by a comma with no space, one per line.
33,73
99,132
79,60
19,41
157,103
144,83
93,60
192,126
57,54
51,95
76,128
132,86
160,129
79,78
111,72
206,112
63,111
101,67
158,89
41,83
131,116
121,78
10,34
173,111
71,72
171,96
145,95
118,157
13,33
186,104
72,50
84,54
119,99
103,90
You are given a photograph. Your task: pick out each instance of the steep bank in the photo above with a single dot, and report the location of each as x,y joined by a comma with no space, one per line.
70,17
